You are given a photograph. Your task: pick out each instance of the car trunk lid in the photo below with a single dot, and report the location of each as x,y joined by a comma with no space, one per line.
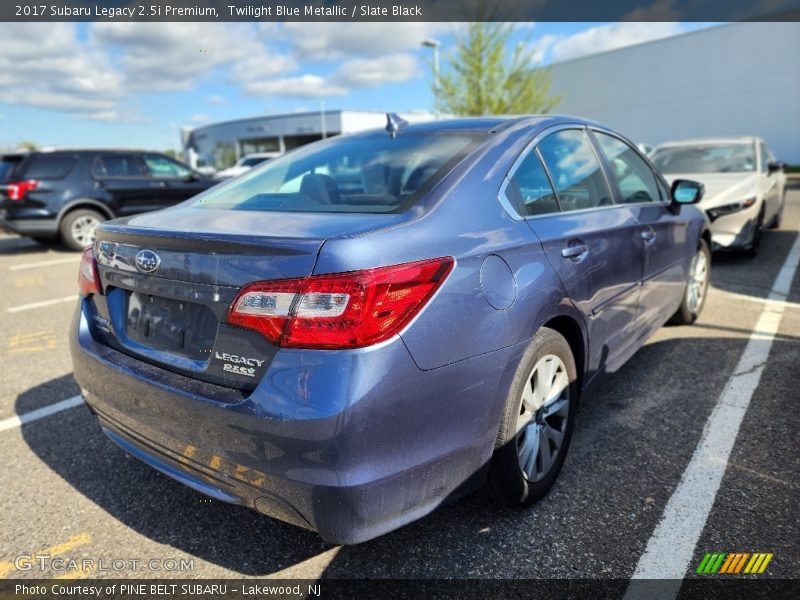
169,279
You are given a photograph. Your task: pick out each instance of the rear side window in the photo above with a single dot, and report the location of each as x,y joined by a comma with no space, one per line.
575,170
7,165
531,189
161,166
49,167
633,175
371,173
117,165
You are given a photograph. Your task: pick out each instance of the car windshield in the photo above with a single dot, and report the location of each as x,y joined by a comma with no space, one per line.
372,173
707,158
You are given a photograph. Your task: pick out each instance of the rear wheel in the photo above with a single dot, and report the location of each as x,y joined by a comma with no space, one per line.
537,424
694,295
78,227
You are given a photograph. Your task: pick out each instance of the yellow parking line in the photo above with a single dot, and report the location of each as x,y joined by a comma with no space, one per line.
73,542
38,341
79,573
29,281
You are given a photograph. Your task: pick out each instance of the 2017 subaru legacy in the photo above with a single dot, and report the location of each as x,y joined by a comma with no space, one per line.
359,330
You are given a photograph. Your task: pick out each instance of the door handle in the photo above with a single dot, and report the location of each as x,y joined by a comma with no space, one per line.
648,235
575,252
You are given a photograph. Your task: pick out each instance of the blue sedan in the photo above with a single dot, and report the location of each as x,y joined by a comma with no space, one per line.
351,334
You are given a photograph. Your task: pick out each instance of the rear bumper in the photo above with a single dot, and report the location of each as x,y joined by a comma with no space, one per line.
351,444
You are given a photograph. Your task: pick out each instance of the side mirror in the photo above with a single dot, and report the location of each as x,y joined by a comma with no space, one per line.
774,166
686,191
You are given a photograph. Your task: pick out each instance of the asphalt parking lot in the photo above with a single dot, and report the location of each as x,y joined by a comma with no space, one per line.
69,492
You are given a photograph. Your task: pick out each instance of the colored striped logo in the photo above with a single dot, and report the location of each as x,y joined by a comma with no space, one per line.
733,563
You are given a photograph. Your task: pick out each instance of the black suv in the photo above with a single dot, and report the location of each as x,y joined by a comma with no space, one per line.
65,194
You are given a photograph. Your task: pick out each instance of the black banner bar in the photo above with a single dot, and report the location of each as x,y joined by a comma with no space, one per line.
401,10
483,589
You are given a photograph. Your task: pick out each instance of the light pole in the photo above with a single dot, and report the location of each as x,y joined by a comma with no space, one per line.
435,45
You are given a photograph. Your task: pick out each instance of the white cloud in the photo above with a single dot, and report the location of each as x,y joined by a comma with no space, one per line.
304,86
541,46
46,66
200,118
608,37
175,56
326,41
375,72
217,99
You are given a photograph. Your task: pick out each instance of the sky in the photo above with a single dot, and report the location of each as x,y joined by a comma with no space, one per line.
136,84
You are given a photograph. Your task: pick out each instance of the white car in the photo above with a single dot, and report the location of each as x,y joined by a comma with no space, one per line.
745,185
244,164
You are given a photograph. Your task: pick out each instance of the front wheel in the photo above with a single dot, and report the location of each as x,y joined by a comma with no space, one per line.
778,221
537,423
755,242
694,295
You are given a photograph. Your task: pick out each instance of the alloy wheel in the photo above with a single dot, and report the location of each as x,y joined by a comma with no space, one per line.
698,282
83,229
543,417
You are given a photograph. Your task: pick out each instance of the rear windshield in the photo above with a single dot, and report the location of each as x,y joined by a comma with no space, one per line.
363,173
49,167
708,158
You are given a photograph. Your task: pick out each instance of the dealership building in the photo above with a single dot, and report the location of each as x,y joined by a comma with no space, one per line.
219,145
733,79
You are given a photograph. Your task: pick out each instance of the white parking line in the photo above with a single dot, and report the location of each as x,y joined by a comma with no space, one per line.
745,298
43,303
45,263
39,413
672,545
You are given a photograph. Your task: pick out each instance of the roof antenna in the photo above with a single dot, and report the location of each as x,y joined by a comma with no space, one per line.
394,124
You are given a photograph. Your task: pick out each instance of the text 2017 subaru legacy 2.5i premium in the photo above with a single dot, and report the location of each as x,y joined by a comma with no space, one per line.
350,334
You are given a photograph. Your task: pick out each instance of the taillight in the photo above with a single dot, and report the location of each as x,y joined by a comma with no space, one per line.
17,189
88,277
344,310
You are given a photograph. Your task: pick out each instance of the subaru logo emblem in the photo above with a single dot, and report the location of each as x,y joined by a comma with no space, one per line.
147,261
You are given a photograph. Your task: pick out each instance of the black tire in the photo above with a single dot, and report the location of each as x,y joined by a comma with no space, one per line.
506,480
67,230
755,243
690,310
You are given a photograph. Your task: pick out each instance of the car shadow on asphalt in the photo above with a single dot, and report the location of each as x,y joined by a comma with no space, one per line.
742,275
18,246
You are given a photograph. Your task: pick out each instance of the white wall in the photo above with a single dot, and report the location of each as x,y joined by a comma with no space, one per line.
737,79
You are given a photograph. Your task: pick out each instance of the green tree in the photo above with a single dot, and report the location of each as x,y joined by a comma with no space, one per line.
28,145
482,79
